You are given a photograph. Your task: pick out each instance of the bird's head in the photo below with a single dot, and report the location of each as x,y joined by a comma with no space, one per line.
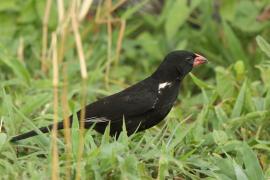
177,64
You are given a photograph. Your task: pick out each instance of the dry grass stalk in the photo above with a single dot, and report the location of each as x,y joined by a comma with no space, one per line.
109,21
45,35
55,167
67,132
84,9
63,28
61,11
109,48
63,21
118,4
63,37
120,40
75,28
20,51
81,132
79,47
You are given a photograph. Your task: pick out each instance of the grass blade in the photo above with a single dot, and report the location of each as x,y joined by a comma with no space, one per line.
238,106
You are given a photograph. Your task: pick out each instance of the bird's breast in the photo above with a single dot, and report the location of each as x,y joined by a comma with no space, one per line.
167,97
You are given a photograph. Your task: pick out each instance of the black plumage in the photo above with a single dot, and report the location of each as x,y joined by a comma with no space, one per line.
142,105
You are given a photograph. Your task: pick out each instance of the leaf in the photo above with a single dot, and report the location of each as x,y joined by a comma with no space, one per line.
227,10
238,106
178,14
220,137
40,11
265,71
221,114
17,67
3,138
225,83
200,83
181,44
8,5
163,165
234,44
249,117
120,72
179,133
245,15
123,137
249,101
267,100
151,45
264,45
34,102
106,135
133,9
42,139
28,13
75,135
8,28
142,170
198,130
222,176
129,167
252,165
239,68
239,173
225,166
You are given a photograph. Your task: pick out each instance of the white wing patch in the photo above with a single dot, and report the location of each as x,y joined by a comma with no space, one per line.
163,85
97,119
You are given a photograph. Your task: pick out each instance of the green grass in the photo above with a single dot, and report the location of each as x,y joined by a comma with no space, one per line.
219,127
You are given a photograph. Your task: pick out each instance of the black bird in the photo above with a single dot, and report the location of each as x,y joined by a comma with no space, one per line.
142,105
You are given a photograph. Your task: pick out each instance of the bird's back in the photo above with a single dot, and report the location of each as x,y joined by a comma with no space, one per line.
126,105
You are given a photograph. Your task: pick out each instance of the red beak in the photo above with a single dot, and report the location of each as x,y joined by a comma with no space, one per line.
199,60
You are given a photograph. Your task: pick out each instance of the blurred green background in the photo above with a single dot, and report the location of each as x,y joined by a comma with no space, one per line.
219,126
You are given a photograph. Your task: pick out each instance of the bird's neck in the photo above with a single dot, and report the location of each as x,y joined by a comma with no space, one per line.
166,75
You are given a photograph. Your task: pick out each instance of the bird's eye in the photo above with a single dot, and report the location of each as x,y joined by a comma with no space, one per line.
189,59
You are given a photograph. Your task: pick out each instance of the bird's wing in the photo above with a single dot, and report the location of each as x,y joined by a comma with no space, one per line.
130,102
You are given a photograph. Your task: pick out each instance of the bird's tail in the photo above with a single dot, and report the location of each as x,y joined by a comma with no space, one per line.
28,134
